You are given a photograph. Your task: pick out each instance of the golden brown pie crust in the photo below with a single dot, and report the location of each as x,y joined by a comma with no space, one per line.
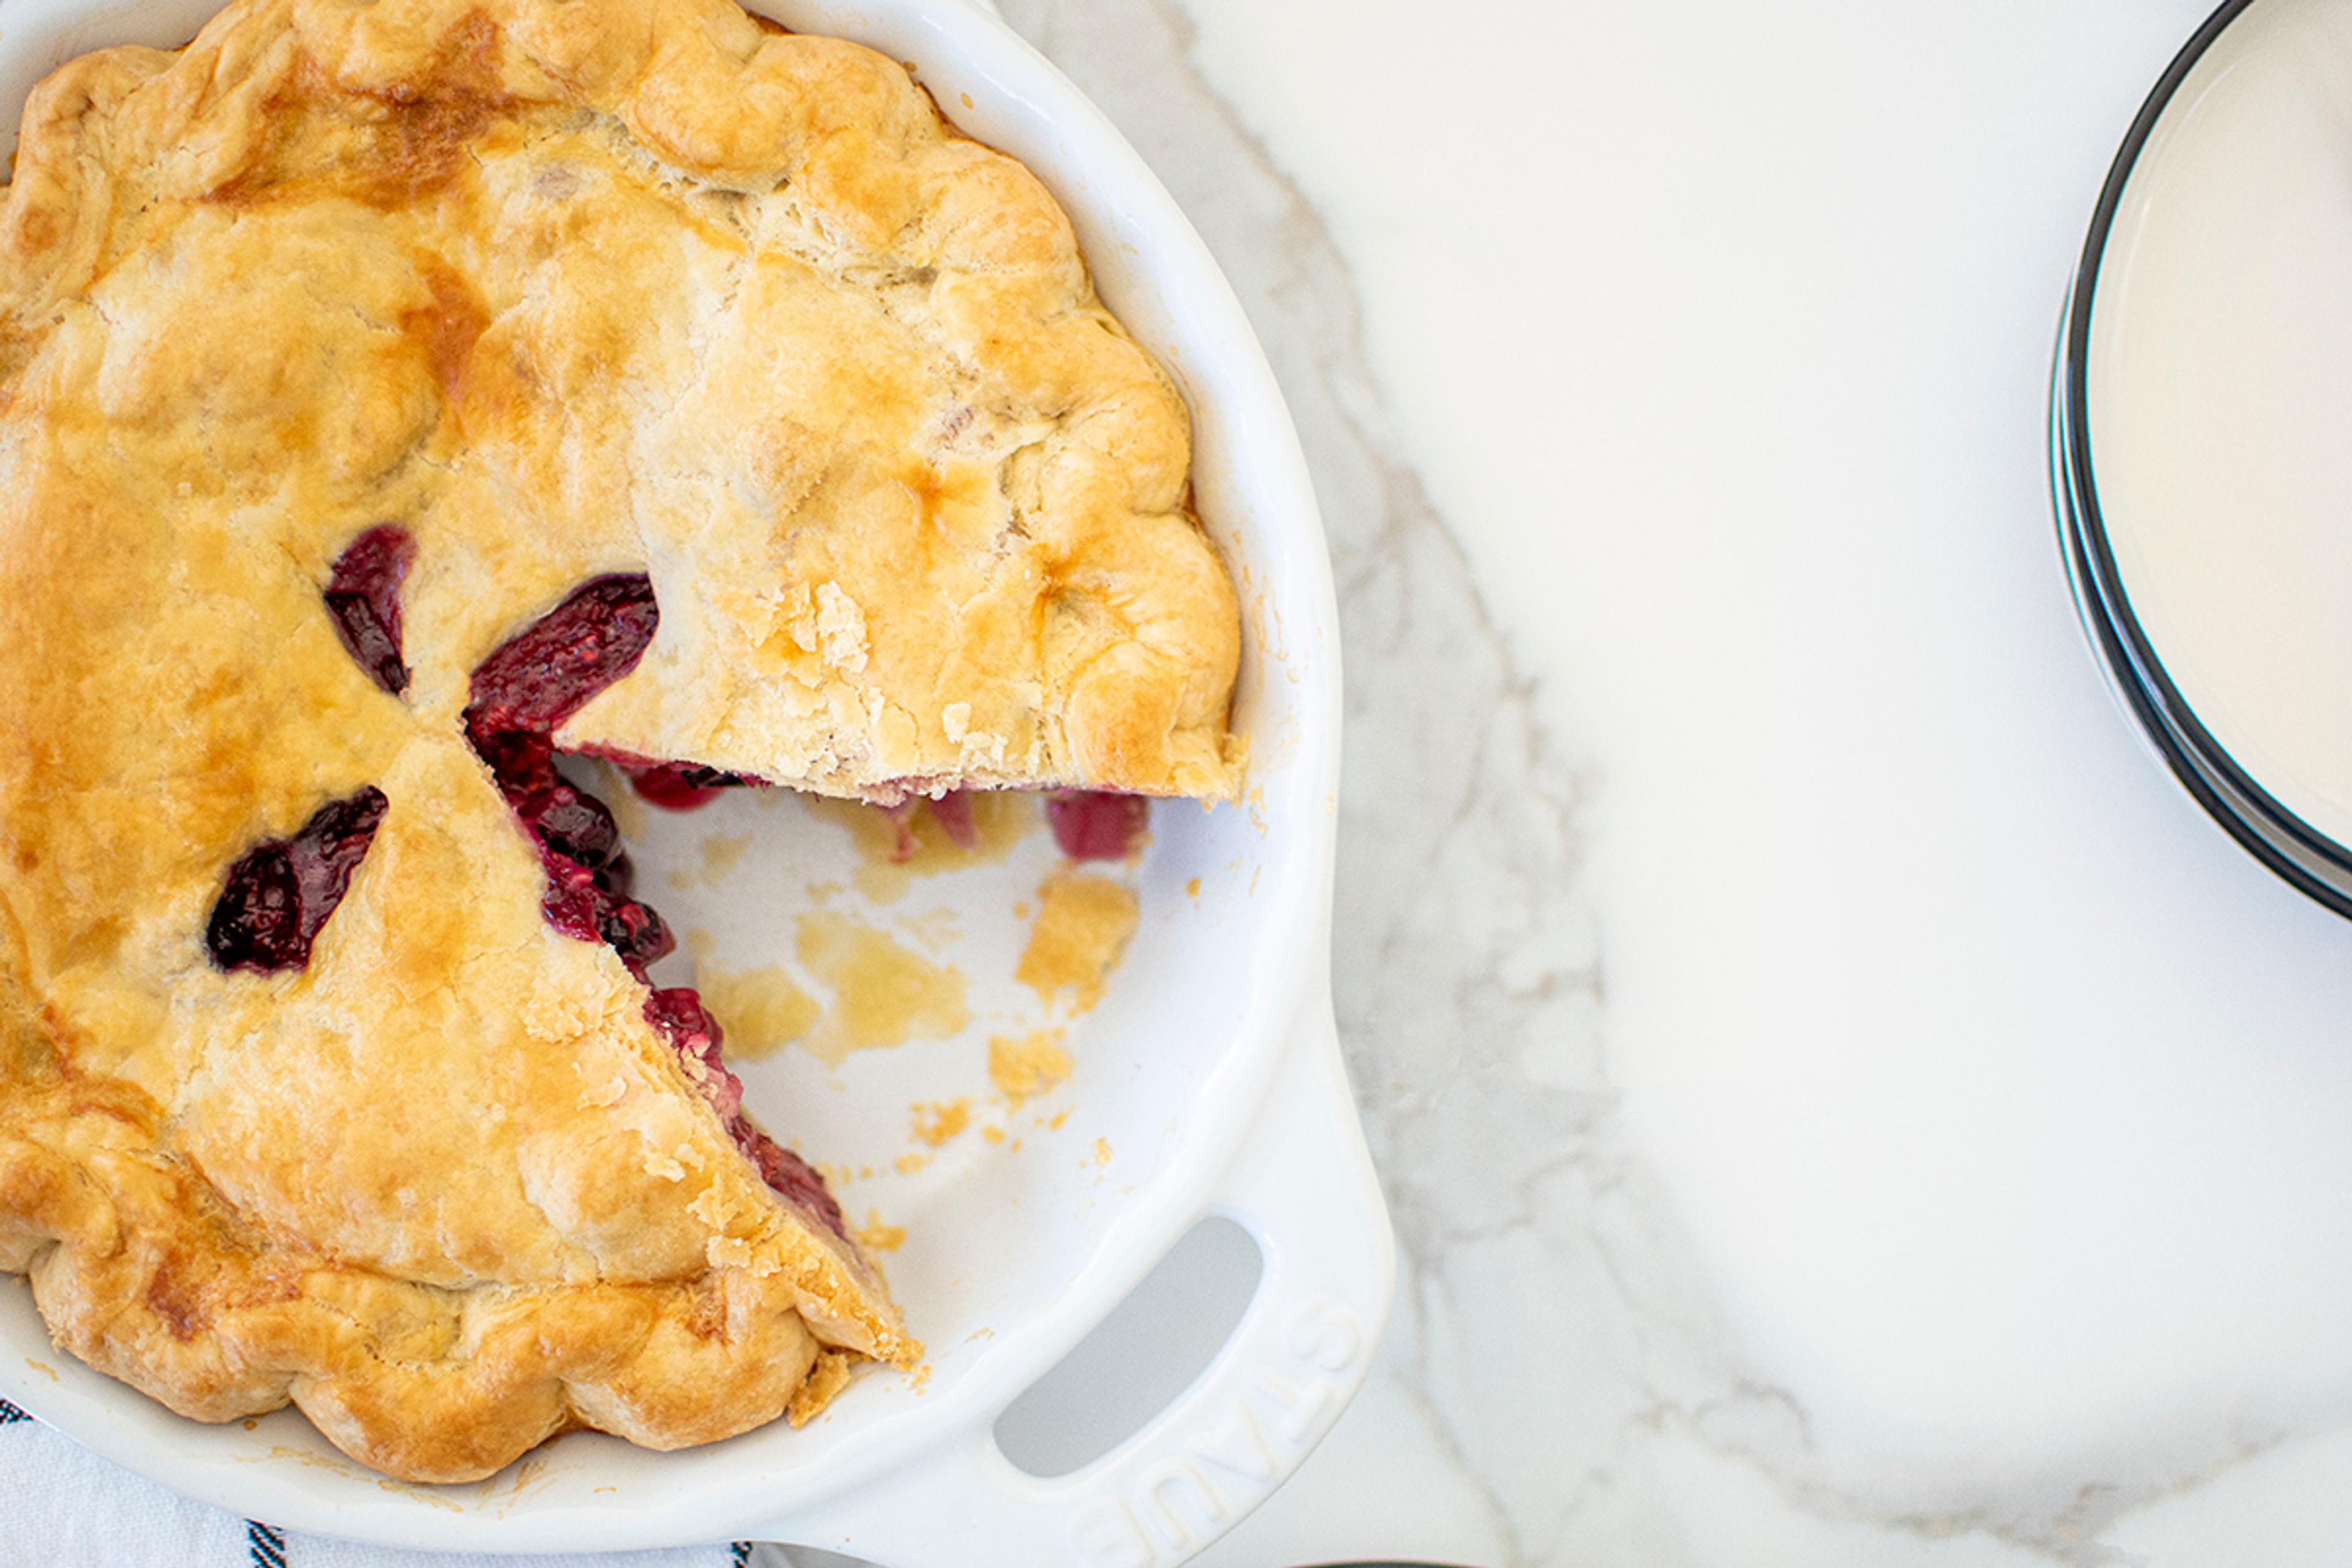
562,287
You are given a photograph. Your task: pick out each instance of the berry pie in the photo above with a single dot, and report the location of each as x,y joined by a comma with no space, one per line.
395,397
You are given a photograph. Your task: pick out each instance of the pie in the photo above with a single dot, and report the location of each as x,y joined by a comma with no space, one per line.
394,397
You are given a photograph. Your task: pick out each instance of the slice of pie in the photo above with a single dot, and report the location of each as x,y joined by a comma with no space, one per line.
394,396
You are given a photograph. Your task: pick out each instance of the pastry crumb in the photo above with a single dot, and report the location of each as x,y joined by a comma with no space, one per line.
1193,888
1102,1151
1083,924
875,1236
933,929
761,1009
940,1120
907,1164
992,1135
610,1093
721,854
840,629
884,994
827,1376
895,850
1028,1065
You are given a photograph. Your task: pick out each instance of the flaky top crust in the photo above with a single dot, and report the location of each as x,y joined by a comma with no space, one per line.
561,287
730,306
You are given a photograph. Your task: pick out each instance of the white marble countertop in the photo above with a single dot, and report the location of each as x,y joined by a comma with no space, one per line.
1841,1103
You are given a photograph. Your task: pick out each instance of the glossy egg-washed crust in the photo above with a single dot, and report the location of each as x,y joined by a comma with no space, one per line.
562,287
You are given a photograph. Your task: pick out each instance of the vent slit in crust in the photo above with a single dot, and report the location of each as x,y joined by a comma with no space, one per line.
279,893
363,597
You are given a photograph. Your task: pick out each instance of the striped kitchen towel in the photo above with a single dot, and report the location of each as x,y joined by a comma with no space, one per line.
63,1506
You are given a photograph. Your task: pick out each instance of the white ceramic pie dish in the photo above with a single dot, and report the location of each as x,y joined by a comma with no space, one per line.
1208,1081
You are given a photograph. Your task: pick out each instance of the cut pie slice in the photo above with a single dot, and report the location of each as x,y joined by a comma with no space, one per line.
393,396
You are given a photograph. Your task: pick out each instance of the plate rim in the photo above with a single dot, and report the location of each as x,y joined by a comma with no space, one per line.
2190,751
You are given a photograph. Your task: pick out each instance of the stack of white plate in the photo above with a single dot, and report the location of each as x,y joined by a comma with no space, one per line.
2201,441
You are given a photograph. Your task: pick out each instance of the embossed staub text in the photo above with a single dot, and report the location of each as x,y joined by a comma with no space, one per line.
1223,1465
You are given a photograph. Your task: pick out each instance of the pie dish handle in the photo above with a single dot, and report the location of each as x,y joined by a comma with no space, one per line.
1303,1187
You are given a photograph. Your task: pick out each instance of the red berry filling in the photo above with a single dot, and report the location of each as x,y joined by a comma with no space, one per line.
681,786
952,811
790,1175
1091,826
579,828
679,1013
532,683
547,672
279,893
364,598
